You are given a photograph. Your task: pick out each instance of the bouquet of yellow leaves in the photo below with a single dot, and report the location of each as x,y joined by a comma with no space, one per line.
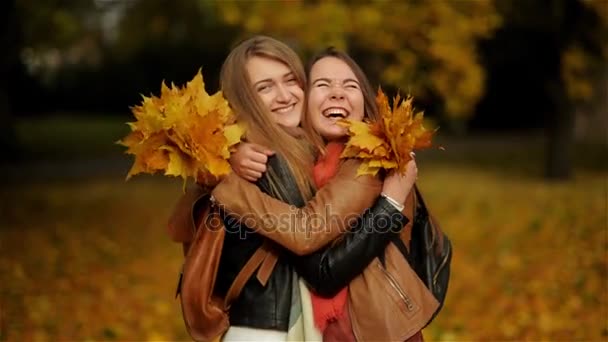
387,144
185,133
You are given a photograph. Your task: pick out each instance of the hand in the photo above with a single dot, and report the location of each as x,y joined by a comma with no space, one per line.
397,186
249,161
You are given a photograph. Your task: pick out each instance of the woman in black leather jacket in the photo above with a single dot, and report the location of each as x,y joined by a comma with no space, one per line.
266,307
327,271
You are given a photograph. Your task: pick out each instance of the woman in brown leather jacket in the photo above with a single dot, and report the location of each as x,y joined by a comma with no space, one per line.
337,89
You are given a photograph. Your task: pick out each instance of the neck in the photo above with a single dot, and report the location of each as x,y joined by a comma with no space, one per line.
340,140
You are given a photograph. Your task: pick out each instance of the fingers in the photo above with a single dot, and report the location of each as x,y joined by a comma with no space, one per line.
399,184
258,154
252,176
261,149
258,157
249,161
253,166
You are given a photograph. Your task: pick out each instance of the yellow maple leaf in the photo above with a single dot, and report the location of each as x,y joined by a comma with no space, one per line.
185,133
387,144
179,165
149,153
403,128
366,169
233,133
363,138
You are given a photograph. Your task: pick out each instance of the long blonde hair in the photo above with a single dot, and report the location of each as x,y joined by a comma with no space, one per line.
249,108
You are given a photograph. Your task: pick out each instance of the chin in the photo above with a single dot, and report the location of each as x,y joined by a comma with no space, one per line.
291,123
330,136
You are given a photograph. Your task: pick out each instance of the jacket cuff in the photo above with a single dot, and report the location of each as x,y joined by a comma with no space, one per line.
384,210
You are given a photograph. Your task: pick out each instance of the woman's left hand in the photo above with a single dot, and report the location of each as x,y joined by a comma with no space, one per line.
397,186
249,161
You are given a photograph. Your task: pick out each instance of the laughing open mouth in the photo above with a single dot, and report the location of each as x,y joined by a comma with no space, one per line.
335,113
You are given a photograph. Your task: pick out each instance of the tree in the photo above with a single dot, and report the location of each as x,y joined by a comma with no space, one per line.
571,33
172,39
55,34
427,48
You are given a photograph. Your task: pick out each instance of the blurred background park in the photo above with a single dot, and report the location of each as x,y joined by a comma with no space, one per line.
518,89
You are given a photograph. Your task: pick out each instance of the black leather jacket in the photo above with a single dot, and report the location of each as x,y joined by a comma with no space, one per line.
326,271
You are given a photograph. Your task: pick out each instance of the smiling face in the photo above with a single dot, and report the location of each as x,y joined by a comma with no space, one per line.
278,88
334,94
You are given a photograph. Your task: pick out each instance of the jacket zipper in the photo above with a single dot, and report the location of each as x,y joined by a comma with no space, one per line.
393,282
350,312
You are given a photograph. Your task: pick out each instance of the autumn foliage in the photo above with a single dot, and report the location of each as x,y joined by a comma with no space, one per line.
387,144
185,133
427,47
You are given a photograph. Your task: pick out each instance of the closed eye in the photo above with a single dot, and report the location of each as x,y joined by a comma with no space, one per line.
262,88
291,81
351,85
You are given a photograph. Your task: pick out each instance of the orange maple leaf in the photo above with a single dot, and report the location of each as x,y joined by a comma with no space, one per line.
185,133
387,144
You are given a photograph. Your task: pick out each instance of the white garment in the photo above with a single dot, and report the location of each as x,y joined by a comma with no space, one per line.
301,321
252,334
311,332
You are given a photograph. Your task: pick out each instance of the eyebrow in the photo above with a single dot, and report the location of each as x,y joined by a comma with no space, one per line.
289,74
328,80
266,80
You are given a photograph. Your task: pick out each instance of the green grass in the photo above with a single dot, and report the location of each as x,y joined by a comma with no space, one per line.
71,137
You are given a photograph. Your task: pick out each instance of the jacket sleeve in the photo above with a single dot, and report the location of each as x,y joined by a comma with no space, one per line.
307,229
329,270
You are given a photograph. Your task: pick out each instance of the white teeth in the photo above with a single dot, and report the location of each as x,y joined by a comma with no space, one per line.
283,110
331,112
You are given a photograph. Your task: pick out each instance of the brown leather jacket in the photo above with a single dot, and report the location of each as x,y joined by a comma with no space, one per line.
402,304
306,229
266,304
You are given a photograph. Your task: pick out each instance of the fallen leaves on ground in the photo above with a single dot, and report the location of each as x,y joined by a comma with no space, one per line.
91,260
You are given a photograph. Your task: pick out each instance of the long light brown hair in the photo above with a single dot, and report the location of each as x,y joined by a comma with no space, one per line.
369,96
261,126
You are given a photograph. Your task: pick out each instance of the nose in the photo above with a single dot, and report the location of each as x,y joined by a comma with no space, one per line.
283,94
336,93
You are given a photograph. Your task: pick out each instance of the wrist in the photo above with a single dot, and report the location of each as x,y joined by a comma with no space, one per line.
395,203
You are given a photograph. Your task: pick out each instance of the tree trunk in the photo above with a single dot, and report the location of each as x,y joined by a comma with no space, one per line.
560,134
